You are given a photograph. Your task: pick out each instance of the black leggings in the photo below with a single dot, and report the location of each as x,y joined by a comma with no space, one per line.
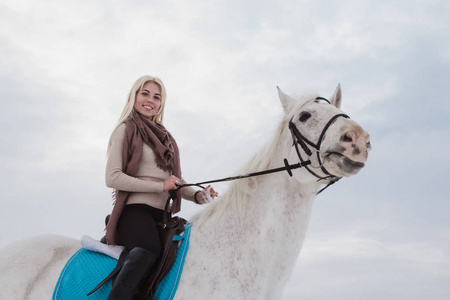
138,227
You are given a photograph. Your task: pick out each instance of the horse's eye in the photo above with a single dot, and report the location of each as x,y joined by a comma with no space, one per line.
304,116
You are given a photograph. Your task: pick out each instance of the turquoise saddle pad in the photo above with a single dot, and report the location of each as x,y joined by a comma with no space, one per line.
85,269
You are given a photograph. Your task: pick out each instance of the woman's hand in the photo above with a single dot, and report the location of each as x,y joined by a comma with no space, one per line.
171,183
206,195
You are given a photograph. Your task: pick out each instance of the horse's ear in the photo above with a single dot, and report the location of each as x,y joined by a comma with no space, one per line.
337,97
286,100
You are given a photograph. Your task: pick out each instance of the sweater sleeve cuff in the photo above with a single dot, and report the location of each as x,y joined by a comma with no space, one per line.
188,193
159,186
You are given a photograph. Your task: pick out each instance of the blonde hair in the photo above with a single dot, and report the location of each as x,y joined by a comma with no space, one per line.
129,105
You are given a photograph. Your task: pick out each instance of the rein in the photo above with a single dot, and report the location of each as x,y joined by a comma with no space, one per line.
172,193
287,167
298,139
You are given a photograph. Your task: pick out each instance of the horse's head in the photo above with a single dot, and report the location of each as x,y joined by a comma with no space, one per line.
336,145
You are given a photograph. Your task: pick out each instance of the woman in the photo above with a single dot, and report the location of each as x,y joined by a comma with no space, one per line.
143,166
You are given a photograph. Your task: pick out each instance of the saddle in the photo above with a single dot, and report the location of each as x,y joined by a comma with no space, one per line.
172,226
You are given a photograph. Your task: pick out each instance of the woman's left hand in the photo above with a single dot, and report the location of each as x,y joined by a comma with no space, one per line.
204,196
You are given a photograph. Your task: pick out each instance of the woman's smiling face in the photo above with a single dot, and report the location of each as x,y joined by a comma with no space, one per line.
148,100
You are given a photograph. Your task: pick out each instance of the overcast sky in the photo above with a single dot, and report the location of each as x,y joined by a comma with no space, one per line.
66,68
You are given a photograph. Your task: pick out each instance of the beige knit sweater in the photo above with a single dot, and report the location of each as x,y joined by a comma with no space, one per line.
147,187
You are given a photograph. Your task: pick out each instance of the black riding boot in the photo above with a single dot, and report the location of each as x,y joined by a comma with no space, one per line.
135,270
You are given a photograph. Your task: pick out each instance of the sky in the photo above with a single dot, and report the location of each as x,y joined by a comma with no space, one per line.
66,68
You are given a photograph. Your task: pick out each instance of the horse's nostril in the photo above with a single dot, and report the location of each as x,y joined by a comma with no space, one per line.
347,138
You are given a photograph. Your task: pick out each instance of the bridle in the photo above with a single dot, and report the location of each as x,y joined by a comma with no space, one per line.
300,139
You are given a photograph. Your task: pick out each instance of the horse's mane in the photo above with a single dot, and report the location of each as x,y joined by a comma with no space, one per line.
239,192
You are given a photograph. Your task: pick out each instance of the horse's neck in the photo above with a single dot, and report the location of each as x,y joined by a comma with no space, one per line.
275,214
283,205
259,225
276,223
285,199
274,203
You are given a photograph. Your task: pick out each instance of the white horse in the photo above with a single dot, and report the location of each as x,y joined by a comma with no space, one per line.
245,245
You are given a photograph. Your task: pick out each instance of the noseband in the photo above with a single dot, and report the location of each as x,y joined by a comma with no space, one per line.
300,139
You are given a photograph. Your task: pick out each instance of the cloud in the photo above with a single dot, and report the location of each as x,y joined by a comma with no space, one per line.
359,267
68,68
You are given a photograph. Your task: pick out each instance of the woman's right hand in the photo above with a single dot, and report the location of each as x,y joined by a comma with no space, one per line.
171,183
